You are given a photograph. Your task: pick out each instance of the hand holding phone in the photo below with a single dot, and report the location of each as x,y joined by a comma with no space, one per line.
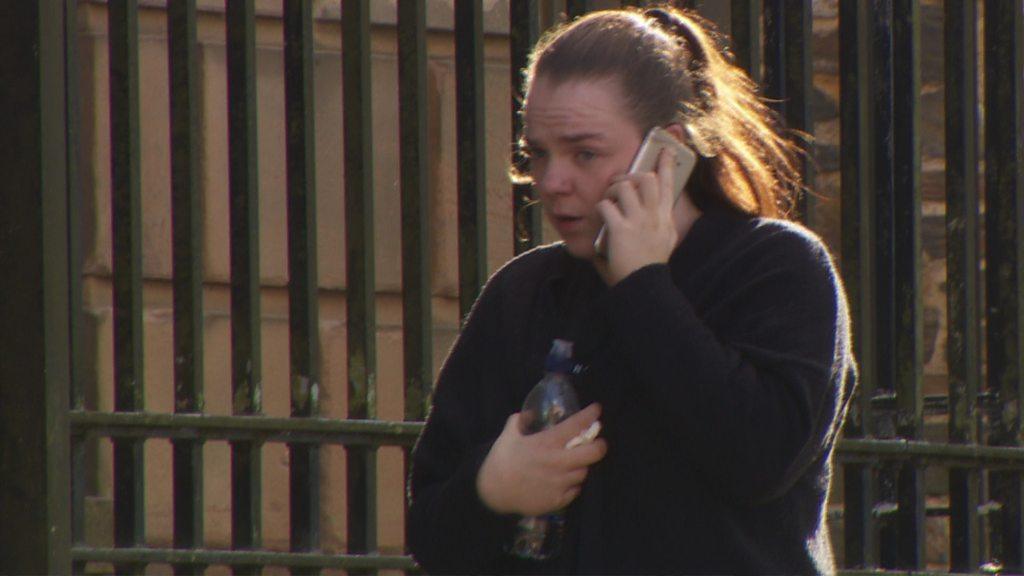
646,160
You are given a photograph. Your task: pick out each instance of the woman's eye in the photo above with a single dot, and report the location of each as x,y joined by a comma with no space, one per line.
585,155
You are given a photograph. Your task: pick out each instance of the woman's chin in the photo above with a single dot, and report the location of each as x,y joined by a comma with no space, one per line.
580,247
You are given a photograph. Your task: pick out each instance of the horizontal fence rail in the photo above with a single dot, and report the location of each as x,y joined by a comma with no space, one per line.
384,433
900,434
242,559
249,428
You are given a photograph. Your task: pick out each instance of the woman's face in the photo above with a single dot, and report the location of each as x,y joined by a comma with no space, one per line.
579,136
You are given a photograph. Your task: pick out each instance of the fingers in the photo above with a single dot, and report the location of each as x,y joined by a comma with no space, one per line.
610,213
575,477
635,191
512,426
569,496
624,192
587,454
667,177
587,435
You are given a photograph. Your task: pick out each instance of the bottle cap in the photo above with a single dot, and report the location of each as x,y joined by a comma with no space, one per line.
560,357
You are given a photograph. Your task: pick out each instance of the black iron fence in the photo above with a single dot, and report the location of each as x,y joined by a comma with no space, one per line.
46,428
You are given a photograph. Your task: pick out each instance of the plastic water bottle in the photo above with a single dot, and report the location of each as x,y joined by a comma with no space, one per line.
551,401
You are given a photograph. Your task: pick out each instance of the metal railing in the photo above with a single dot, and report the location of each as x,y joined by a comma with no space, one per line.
882,459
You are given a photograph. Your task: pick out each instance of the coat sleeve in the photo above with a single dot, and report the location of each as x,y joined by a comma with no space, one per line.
754,389
450,529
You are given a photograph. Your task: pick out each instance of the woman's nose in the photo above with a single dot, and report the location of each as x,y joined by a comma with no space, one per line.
554,179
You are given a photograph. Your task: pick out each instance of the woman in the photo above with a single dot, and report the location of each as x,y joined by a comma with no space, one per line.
713,340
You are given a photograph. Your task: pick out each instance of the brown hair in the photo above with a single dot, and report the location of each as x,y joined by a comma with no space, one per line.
671,70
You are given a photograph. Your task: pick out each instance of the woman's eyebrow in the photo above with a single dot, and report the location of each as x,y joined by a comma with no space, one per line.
580,137
565,139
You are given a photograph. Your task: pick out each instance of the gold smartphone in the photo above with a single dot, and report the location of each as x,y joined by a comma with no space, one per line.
646,160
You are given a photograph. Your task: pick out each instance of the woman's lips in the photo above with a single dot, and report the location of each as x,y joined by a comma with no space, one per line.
565,224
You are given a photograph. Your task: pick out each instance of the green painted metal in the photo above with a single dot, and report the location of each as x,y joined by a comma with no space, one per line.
126,203
523,33
78,377
1004,251
360,282
244,192
798,81
362,368
860,538
936,453
787,76
395,433
74,194
187,242
745,24
243,559
246,356
884,306
470,130
963,344
890,573
908,355
417,335
251,428
907,352
35,526
576,8
303,315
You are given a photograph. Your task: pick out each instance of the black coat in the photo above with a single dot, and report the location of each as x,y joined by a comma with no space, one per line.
723,376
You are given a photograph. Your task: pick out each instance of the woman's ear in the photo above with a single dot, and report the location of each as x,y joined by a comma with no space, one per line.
676,129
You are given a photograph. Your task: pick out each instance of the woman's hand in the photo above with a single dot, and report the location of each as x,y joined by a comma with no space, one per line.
535,474
644,221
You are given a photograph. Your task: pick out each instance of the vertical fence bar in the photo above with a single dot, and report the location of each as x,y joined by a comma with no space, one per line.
524,28
416,309
576,8
246,365
303,317
77,390
549,14
774,81
362,349
787,74
188,274
472,184
908,355
34,477
885,261
797,51
1004,213
126,203
745,18
963,350
77,383
860,546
